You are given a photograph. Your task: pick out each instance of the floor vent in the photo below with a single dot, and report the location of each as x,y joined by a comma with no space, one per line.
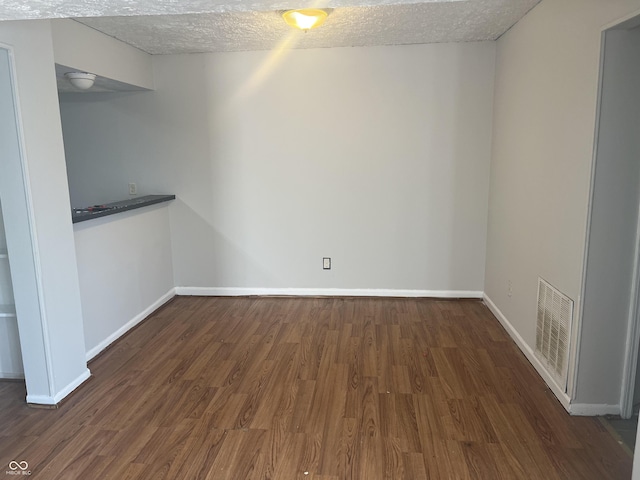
553,331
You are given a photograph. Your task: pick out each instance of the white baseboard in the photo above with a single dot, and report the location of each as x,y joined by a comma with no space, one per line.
130,324
324,292
72,386
593,410
564,399
11,376
49,400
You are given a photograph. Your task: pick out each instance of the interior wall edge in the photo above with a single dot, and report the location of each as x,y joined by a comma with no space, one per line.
62,393
130,324
528,352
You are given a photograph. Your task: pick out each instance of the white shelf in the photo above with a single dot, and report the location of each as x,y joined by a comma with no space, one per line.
7,311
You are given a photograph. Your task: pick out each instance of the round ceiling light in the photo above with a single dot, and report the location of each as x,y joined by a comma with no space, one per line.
81,80
306,18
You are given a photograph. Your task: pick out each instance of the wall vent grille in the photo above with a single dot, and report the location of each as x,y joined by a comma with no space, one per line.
553,331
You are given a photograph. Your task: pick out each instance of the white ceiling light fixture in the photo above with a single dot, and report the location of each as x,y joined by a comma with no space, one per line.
81,80
306,18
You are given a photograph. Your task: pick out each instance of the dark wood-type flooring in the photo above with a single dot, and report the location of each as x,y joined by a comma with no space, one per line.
307,388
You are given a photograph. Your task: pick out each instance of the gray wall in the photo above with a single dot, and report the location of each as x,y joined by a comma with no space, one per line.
376,157
545,112
614,222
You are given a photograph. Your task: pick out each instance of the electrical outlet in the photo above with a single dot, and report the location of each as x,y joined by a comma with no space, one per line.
133,190
509,288
326,263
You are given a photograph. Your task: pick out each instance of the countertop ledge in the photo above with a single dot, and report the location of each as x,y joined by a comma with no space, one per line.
97,211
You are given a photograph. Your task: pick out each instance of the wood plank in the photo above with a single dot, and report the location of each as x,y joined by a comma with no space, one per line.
310,388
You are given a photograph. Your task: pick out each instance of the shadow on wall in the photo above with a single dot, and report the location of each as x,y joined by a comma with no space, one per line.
465,134
375,157
386,167
101,153
205,257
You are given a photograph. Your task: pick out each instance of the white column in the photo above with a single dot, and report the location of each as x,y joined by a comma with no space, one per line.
37,216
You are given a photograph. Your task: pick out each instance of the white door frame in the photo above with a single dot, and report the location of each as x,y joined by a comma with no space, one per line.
632,345
633,321
42,368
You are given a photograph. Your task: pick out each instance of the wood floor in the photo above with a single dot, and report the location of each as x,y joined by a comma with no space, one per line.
304,388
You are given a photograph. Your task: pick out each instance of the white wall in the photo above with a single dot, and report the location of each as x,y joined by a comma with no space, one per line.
132,274
40,238
125,271
544,120
376,157
83,48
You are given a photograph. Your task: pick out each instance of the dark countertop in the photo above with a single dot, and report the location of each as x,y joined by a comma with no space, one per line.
97,211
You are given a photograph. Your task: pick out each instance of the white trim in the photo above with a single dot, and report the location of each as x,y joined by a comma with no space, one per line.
593,409
574,363
46,339
11,376
628,384
37,263
627,387
54,400
72,386
130,324
564,399
40,400
324,292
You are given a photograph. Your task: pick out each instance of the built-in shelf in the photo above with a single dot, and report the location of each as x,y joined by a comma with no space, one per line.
7,311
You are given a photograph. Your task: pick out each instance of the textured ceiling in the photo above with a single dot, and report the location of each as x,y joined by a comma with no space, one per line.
192,26
30,9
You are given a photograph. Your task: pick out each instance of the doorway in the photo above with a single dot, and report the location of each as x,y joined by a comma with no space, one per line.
612,273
